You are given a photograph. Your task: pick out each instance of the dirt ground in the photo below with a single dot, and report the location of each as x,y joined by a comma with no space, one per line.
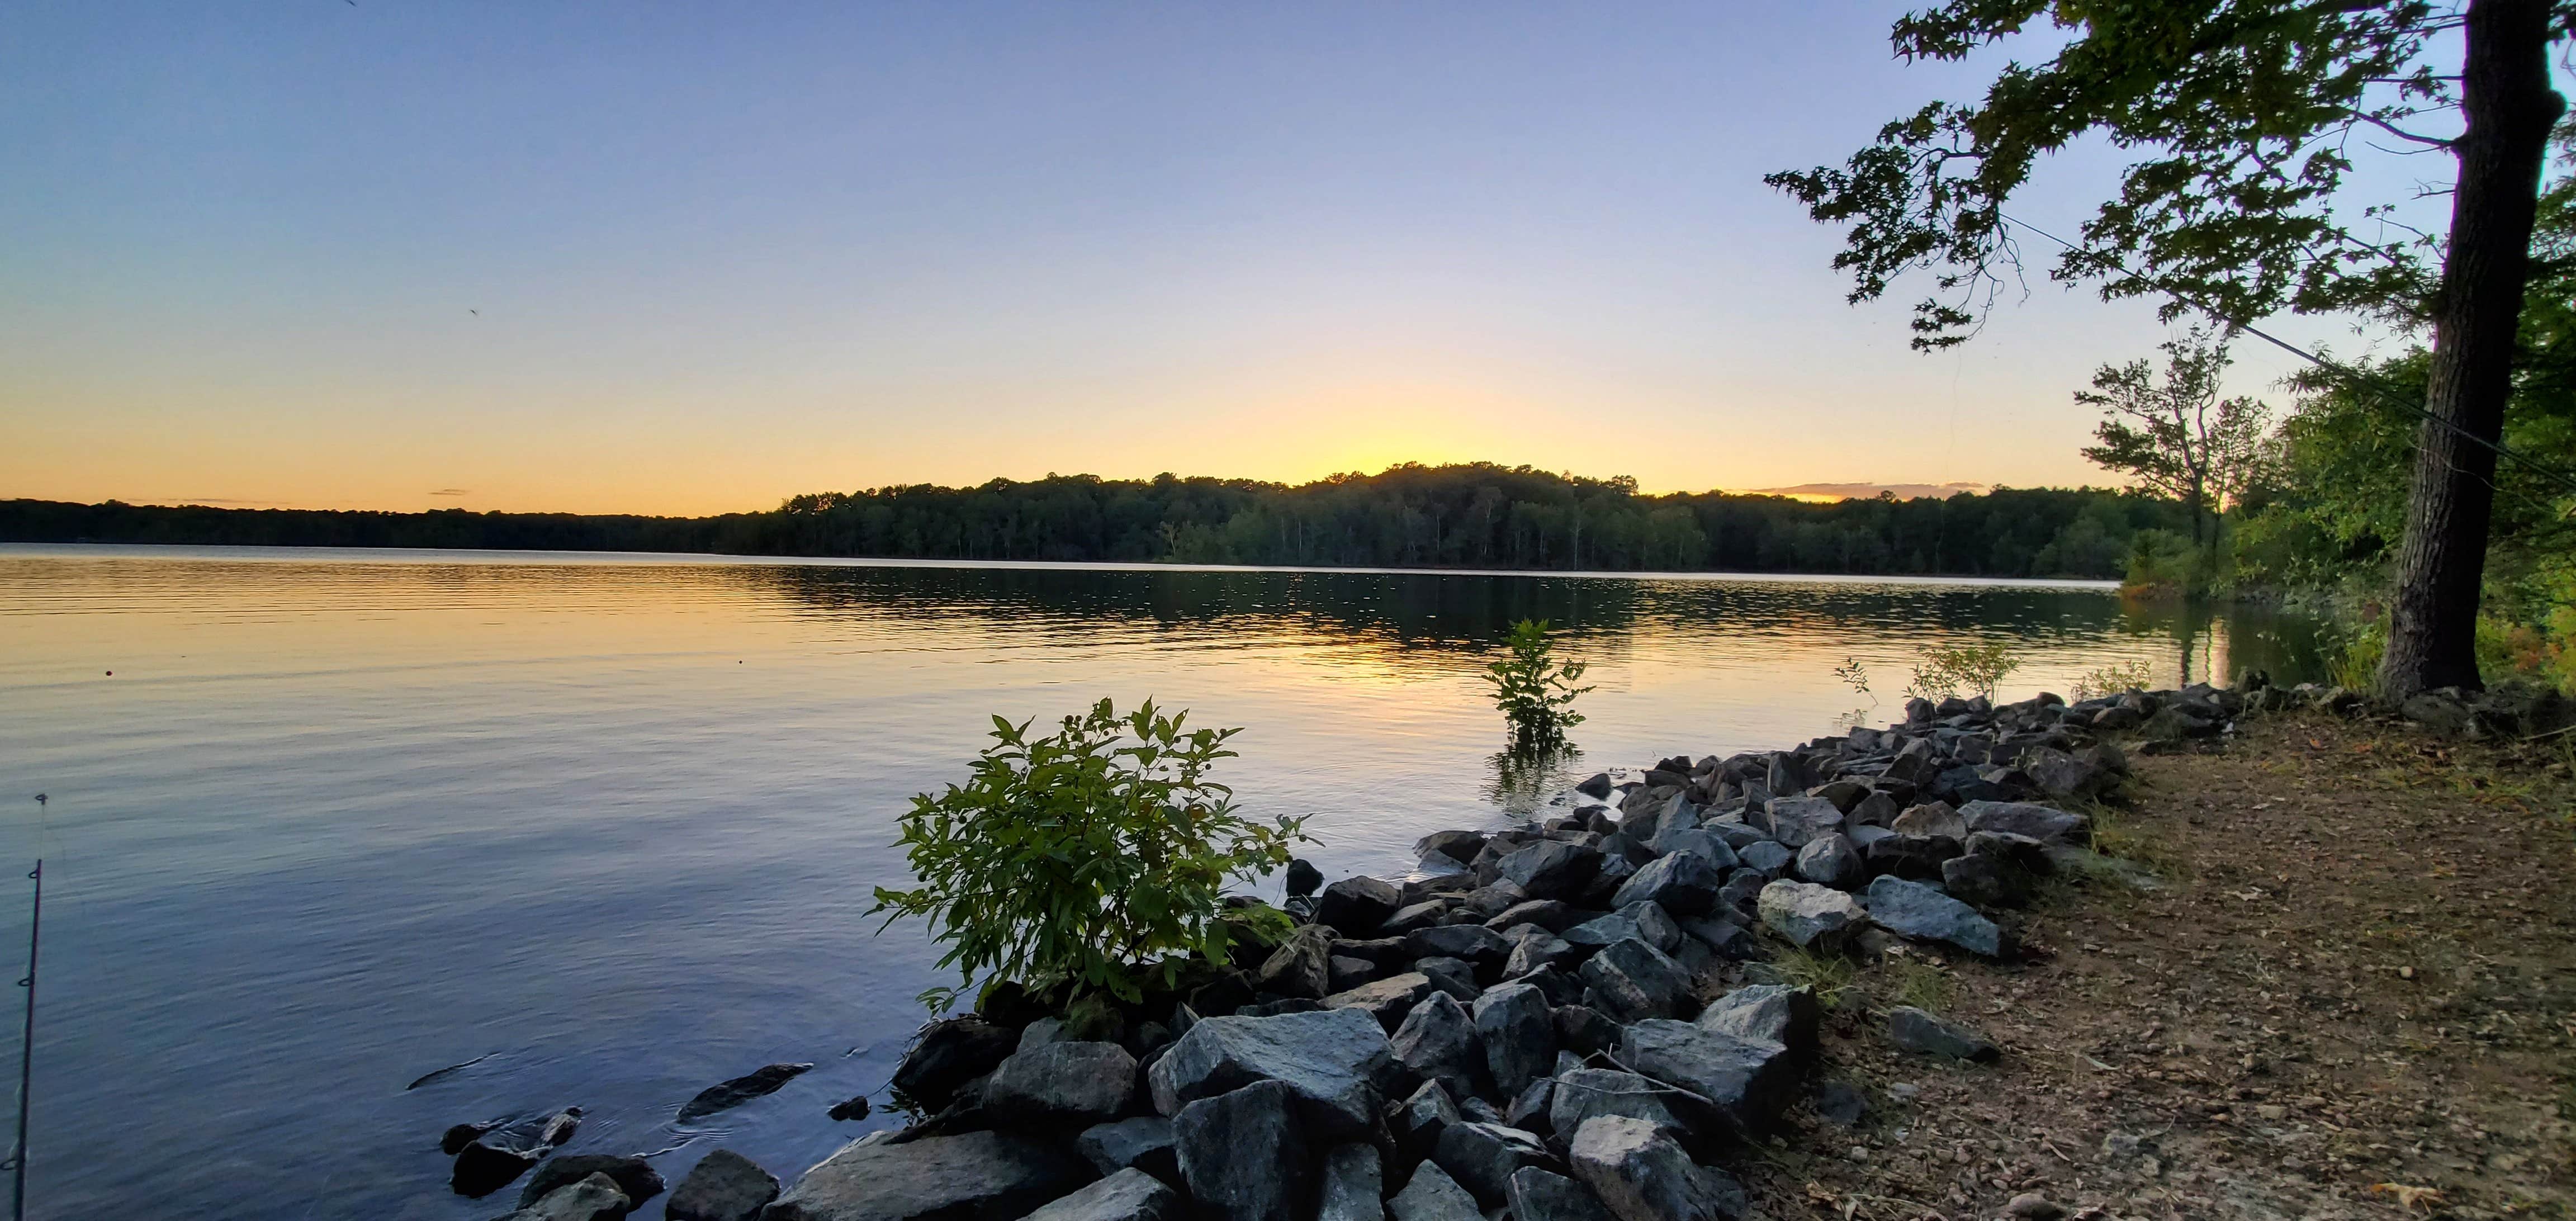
2352,996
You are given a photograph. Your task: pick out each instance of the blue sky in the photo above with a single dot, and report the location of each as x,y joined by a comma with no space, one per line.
722,254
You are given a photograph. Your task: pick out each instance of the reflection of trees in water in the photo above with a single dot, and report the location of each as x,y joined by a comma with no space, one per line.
1522,781
2214,642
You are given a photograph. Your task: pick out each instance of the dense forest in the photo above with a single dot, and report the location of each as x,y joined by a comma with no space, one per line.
1464,516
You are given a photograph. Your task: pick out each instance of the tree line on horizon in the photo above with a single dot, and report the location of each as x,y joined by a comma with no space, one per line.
1470,515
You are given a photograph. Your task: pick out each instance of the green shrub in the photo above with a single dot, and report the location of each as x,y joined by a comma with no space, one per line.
1976,667
1534,693
1093,859
2113,679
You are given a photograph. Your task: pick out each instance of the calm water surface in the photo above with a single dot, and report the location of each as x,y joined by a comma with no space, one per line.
340,818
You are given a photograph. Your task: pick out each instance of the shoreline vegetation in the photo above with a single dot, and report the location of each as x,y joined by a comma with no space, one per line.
1468,516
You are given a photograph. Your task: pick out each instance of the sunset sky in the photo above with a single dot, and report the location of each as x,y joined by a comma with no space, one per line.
726,253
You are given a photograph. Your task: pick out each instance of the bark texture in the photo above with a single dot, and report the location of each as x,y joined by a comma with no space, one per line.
2432,634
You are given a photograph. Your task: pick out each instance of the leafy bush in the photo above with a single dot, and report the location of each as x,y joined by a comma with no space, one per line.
1977,667
1535,693
1094,858
2113,679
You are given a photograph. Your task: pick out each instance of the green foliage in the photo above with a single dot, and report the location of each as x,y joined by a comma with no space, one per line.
1093,858
2113,679
2355,662
1976,667
2244,114
1533,691
1854,675
2173,433
1831,977
2166,564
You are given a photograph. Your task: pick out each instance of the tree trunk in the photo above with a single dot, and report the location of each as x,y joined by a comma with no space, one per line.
2432,632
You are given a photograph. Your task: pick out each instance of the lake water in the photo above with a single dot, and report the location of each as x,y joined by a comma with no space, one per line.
321,822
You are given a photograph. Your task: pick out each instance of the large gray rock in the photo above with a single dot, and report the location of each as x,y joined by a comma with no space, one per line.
1433,1196
1631,980
2023,818
1917,1031
1554,915
1707,843
1750,1081
1357,906
1423,1116
1438,1042
1301,966
1537,952
1455,976
1588,1092
1552,869
1482,1157
1129,1195
1335,1060
1770,858
1354,1185
1646,921
1243,1153
1912,909
1142,1143
595,1198
723,1186
1540,1195
1797,820
1063,1082
1930,818
1459,846
635,1178
1387,1000
1911,856
1684,883
1810,915
1641,1174
977,1176
1473,942
1518,1035
1768,1013
1832,860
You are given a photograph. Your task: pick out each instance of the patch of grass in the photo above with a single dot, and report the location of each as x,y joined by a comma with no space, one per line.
1912,981
1831,977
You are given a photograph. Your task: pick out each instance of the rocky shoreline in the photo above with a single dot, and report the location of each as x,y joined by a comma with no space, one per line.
1564,1021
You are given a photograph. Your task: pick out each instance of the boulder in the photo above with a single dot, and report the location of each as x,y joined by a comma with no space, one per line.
1917,1031
1386,1000
1641,1174
1349,973
1538,952
976,1176
1646,921
1142,1143
635,1178
1459,846
1455,976
1438,1042
1768,1013
1413,916
1551,869
1303,877
1743,889
1832,860
2023,818
1335,1061
1243,1153
1702,842
501,1154
1912,909
1540,1195
949,1054
1356,906
1911,856
1584,1030
1727,939
1529,1108
1423,1116
1519,1037
1129,1195
1986,881
1876,810
849,1109
1482,1157
595,1198
1473,942
1749,1080
1683,883
1354,1185
723,1186
1845,793
1796,820
1631,979
1811,915
1301,966
1770,858
1934,818
1063,1082
1596,787
1554,915
1587,1092
1433,1196
2060,774
1041,1032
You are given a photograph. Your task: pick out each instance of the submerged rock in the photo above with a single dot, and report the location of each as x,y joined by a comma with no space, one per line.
727,1095
500,1155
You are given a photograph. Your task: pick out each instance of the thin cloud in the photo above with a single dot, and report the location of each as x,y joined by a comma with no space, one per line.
448,492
